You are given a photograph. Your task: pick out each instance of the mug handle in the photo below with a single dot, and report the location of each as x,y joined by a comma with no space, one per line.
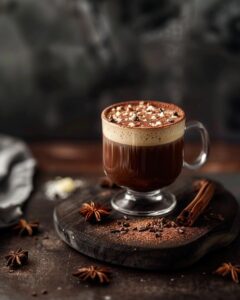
202,157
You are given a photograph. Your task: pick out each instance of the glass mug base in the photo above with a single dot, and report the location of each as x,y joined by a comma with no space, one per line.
156,203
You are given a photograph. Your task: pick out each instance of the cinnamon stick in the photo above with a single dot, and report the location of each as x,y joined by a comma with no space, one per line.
190,214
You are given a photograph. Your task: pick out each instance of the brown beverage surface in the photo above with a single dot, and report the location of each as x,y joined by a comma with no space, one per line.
143,144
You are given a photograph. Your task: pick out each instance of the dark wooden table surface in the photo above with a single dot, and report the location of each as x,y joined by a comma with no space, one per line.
51,262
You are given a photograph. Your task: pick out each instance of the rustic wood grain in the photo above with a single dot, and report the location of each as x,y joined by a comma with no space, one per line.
135,249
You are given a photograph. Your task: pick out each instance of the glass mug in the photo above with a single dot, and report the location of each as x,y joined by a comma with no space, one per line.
143,160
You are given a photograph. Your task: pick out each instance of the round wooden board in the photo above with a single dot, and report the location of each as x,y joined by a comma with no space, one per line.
142,249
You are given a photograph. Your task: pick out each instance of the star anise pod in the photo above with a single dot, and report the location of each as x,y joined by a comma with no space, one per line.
106,182
93,273
92,211
17,258
229,269
25,227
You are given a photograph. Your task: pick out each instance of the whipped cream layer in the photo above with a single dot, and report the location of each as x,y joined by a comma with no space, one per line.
143,136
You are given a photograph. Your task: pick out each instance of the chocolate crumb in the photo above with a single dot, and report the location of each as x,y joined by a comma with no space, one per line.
173,224
176,114
142,228
181,230
115,231
44,292
111,119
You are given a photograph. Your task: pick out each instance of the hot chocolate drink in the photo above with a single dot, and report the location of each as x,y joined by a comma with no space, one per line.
143,144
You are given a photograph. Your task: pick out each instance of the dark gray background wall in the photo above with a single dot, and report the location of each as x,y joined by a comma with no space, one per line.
62,61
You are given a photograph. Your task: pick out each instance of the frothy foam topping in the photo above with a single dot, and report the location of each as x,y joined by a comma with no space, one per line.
142,133
144,114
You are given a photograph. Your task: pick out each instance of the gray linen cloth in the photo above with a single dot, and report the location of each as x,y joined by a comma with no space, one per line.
16,178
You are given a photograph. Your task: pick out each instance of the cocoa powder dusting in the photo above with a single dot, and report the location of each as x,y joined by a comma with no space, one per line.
137,233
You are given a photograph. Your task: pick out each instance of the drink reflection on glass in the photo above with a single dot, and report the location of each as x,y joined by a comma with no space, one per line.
143,152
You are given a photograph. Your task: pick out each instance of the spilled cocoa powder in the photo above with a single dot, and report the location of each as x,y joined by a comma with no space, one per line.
138,232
